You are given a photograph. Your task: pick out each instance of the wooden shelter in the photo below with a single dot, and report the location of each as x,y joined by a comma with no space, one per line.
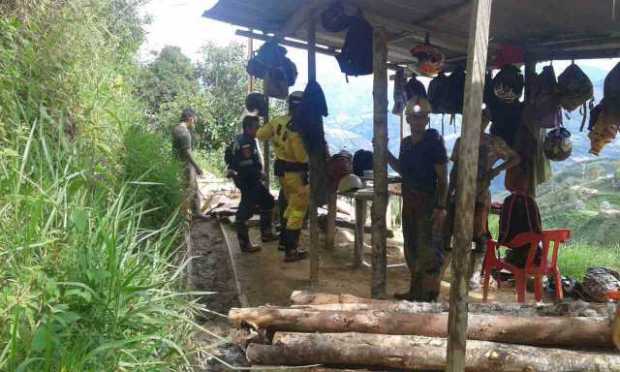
467,31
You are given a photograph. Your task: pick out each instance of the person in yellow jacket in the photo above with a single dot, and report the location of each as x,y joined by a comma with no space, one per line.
291,167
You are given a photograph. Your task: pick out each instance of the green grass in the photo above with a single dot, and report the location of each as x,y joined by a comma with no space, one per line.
576,258
90,275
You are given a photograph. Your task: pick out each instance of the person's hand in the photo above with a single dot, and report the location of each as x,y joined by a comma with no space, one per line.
439,217
231,174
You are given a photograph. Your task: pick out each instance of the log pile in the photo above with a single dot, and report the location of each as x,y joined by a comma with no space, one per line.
344,330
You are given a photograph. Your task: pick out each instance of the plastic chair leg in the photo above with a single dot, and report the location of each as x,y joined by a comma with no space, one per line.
520,287
559,292
538,288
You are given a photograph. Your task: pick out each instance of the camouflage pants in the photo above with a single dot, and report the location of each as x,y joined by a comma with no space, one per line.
424,258
192,202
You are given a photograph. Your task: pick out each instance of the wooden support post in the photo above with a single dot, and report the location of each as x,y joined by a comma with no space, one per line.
266,154
466,181
360,222
330,234
379,144
250,55
314,220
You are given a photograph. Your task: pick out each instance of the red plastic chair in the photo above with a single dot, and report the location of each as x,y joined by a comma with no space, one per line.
493,261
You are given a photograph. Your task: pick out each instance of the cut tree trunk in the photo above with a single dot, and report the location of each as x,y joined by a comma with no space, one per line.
589,310
347,302
421,353
539,331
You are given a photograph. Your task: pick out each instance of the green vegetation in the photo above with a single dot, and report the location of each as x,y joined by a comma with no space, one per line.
89,279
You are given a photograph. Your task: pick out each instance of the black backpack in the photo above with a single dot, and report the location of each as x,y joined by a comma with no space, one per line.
415,88
362,160
438,94
356,56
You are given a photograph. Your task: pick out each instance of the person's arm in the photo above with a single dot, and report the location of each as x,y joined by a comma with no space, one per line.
393,162
511,158
190,159
441,170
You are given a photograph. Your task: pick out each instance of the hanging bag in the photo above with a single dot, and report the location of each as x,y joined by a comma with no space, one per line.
356,57
575,89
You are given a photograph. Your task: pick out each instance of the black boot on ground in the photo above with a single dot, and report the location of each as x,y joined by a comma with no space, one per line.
282,242
244,239
292,241
266,230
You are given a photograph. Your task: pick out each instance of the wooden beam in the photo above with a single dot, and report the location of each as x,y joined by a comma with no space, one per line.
294,44
314,220
379,143
440,39
303,14
466,181
431,17
360,222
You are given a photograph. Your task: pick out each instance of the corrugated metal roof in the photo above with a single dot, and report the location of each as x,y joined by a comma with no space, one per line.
548,29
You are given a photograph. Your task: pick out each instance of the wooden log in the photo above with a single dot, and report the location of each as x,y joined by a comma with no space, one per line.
420,353
330,301
379,145
565,309
477,50
537,331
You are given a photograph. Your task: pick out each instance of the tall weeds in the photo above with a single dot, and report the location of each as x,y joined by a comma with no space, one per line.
88,231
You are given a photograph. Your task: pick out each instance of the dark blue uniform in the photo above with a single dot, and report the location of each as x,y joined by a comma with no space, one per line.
242,157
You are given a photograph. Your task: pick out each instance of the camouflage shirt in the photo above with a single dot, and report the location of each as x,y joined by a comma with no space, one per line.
181,141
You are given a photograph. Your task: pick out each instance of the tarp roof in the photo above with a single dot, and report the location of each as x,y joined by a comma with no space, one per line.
546,29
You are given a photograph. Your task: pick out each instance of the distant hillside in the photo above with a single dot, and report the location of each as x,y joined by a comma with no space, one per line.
586,199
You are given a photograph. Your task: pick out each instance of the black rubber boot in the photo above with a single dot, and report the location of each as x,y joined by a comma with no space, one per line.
292,241
266,230
244,239
282,242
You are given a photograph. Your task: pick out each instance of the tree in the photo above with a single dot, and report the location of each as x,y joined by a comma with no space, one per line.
222,74
171,74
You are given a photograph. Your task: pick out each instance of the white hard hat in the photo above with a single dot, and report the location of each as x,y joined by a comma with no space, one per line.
350,182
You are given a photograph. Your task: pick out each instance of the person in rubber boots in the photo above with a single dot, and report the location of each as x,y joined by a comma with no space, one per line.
492,149
245,168
291,167
422,163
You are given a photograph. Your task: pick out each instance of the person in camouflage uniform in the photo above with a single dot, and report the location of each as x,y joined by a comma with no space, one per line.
182,147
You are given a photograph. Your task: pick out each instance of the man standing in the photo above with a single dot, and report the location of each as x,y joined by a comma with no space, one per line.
492,149
422,163
182,147
291,167
246,169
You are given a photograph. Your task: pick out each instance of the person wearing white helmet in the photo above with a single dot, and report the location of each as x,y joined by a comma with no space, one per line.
291,168
422,163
